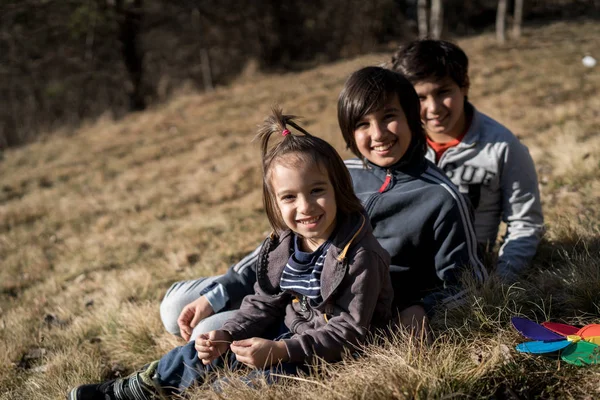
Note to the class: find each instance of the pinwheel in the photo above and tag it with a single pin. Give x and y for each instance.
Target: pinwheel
(575, 346)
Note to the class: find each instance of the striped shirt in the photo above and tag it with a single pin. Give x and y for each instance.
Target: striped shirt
(302, 273)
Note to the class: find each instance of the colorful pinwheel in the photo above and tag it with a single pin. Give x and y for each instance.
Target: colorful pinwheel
(575, 346)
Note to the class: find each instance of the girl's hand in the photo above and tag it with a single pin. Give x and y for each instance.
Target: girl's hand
(259, 353)
(212, 345)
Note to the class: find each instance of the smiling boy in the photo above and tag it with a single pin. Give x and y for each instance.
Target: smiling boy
(482, 158)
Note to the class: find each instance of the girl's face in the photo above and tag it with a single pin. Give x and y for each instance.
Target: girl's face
(306, 201)
(383, 136)
(442, 107)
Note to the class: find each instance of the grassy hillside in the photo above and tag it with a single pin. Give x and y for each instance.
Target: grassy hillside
(95, 226)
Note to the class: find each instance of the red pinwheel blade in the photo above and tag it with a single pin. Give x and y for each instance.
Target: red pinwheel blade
(538, 347)
(535, 331)
(562, 329)
(581, 353)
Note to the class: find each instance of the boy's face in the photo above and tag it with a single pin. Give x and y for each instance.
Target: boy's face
(383, 136)
(442, 107)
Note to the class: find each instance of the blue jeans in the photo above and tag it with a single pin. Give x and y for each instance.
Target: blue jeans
(181, 368)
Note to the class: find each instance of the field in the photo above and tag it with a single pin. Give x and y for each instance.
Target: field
(95, 224)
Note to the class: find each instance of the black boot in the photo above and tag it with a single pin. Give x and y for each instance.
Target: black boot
(137, 386)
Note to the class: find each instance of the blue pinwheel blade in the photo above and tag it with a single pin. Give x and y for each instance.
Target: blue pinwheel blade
(535, 331)
(539, 347)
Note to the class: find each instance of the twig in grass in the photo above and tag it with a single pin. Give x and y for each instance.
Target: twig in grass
(297, 378)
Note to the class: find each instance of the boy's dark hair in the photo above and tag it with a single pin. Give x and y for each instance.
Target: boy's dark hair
(367, 90)
(303, 148)
(423, 60)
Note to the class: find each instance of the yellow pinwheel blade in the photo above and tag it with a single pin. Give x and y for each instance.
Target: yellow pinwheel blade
(592, 339)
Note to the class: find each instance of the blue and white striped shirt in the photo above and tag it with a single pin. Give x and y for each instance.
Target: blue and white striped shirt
(302, 273)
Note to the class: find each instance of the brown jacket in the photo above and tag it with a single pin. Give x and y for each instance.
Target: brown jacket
(355, 287)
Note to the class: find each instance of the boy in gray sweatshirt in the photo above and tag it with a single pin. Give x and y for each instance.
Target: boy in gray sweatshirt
(483, 158)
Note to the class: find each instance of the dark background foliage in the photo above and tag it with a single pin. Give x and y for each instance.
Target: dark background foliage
(62, 61)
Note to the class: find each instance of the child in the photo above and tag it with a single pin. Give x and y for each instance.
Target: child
(322, 278)
(483, 158)
(417, 214)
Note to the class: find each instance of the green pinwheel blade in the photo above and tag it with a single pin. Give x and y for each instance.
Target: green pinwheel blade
(581, 353)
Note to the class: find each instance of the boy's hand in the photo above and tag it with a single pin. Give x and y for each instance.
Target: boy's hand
(415, 320)
(212, 344)
(191, 314)
(259, 353)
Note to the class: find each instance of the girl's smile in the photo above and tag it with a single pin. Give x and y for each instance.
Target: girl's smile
(309, 221)
(384, 148)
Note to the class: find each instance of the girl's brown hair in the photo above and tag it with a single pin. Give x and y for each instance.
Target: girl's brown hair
(303, 147)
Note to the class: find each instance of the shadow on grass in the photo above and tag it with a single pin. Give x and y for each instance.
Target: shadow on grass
(562, 285)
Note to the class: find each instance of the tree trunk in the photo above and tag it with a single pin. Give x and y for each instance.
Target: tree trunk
(90, 35)
(437, 19)
(130, 24)
(206, 71)
(501, 22)
(204, 57)
(422, 18)
(518, 19)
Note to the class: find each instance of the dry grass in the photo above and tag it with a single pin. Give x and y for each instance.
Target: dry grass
(95, 225)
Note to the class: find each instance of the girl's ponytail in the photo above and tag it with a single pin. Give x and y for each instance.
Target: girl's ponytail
(276, 123)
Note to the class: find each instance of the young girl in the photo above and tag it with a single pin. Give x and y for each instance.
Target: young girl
(417, 214)
(322, 278)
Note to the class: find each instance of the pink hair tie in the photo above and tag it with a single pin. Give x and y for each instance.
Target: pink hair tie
(285, 132)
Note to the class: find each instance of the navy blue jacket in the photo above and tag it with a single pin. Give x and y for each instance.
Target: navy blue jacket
(425, 224)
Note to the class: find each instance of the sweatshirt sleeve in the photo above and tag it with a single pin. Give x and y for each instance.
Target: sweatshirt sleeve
(257, 313)
(456, 253)
(521, 211)
(235, 284)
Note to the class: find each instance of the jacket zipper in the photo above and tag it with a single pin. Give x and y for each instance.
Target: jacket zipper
(386, 182)
(386, 185)
(306, 310)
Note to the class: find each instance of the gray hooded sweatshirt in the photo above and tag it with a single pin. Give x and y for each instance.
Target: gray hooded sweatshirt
(495, 171)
